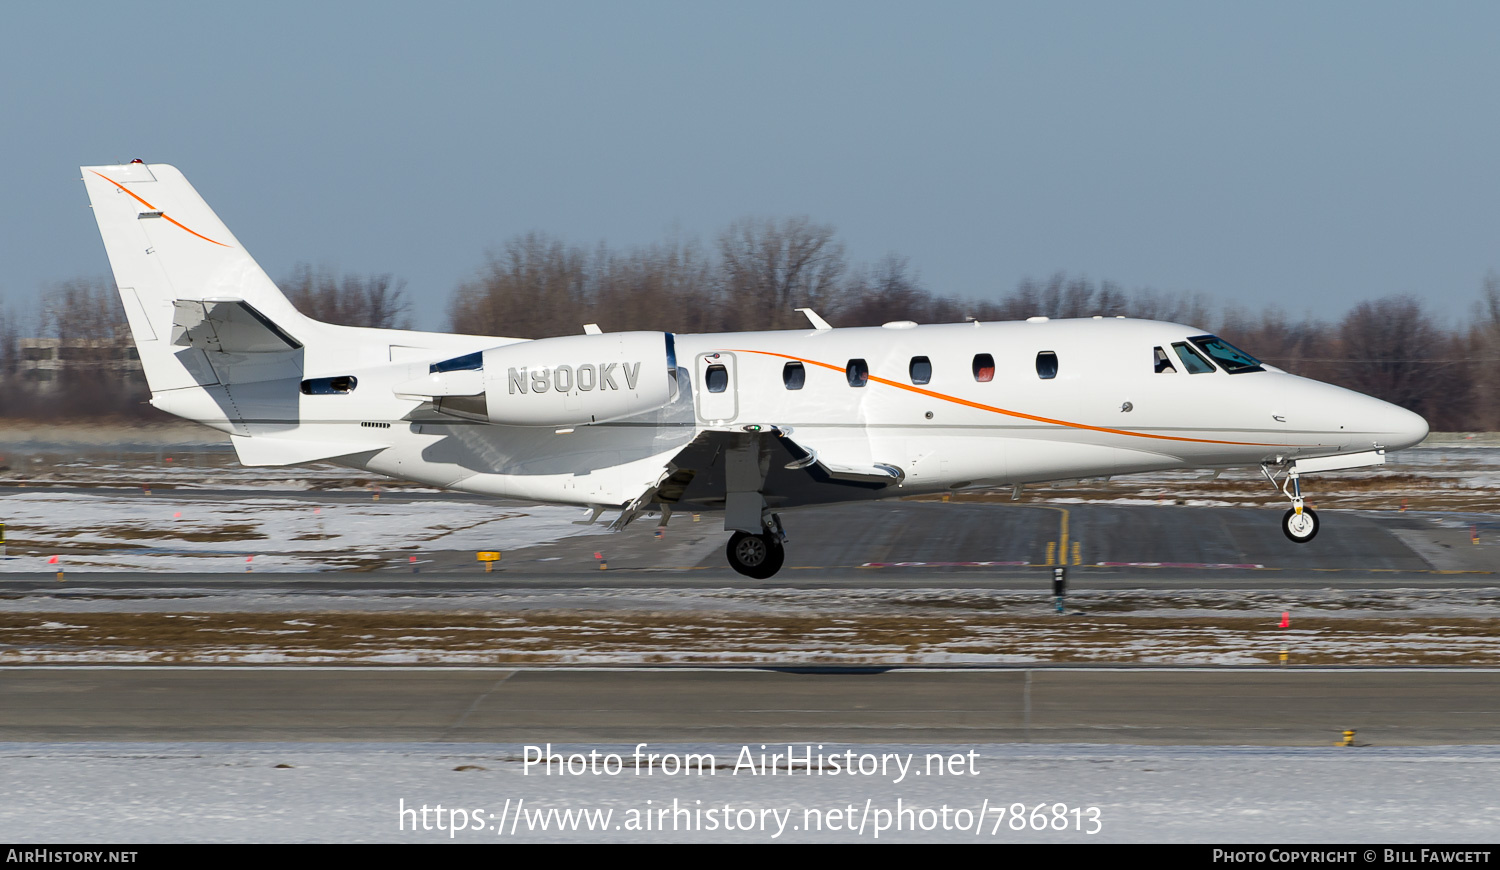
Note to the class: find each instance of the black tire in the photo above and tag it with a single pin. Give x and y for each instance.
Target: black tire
(757, 556)
(1287, 525)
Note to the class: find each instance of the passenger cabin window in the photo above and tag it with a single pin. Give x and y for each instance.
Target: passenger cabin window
(716, 379)
(920, 370)
(1230, 358)
(329, 386)
(984, 367)
(1195, 364)
(793, 375)
(1164, 362)
(1046, 365)
(858, 372)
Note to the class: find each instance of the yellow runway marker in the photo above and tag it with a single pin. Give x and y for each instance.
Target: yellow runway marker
(1057, 551)
(1077, 553)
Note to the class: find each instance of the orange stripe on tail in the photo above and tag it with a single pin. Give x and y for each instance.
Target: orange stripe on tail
(164, 215)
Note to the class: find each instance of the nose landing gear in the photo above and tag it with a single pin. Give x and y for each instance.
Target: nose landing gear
(1300, 527)
(1300, 523)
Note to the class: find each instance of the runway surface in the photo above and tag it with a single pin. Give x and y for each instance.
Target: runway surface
(877, 542)
(1392, 707)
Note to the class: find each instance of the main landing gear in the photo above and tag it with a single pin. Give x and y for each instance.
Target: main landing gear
(1300, 523)
(758, 556)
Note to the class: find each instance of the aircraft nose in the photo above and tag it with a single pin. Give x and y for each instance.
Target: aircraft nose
(1407, 428)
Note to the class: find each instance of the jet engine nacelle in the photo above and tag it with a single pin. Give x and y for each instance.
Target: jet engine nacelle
(572, 380)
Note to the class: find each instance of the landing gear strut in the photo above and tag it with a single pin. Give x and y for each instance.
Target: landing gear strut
(758, 556)
(1299, 524)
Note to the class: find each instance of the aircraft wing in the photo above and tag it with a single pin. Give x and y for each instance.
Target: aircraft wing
(831, 465)
(700, 473)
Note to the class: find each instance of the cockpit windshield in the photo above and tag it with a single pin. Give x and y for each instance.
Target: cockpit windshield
(1195, 364)
(1229, 357)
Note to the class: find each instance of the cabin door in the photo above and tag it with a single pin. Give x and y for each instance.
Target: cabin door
(716, 388)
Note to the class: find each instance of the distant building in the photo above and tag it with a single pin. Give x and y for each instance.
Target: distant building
(44, 360)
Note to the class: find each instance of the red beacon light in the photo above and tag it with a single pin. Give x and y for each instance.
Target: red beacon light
(139, 160)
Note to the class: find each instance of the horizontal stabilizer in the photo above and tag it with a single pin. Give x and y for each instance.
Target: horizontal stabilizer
(226, 326)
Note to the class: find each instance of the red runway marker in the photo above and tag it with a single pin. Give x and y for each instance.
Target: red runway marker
(1286, 619)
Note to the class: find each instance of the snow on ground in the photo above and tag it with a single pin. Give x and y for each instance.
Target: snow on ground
(1479, 602)
(287, 792)
(177, 533)
(413, 624)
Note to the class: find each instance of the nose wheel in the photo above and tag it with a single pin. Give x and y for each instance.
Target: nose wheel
(1300, 527)
(1300, 523)
(758, 556)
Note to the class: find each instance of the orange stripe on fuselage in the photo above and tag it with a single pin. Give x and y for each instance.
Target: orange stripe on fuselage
(164, 215)
(983, 407)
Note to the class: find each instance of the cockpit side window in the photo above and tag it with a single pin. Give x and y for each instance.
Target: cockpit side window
(1164, 362)
(1229, 357)
(1191, 360)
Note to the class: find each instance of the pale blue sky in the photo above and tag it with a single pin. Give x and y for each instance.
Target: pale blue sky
(1309, 155)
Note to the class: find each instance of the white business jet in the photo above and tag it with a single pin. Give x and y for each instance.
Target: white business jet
(749, 423)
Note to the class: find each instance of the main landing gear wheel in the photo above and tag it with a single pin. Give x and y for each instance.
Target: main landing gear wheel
(1301, 527)
(758, 556)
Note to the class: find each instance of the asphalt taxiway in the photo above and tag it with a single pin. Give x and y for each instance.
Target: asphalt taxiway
(977, 543)
(1179, 706)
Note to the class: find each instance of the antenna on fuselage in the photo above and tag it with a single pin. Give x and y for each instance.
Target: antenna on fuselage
(818, 323)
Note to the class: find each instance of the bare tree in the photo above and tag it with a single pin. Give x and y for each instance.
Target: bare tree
(349, 300)
(1484, 348)
(1392, 350)
(533, 287)
(671, 286)
(86, 315)
(886, 292)
(1304, 347)
(771, 268)
(83, 308)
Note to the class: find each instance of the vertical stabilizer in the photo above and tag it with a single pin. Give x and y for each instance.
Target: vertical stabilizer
(167, 247)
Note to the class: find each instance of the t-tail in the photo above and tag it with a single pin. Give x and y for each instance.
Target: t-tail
(218, 341)
(204, 316)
